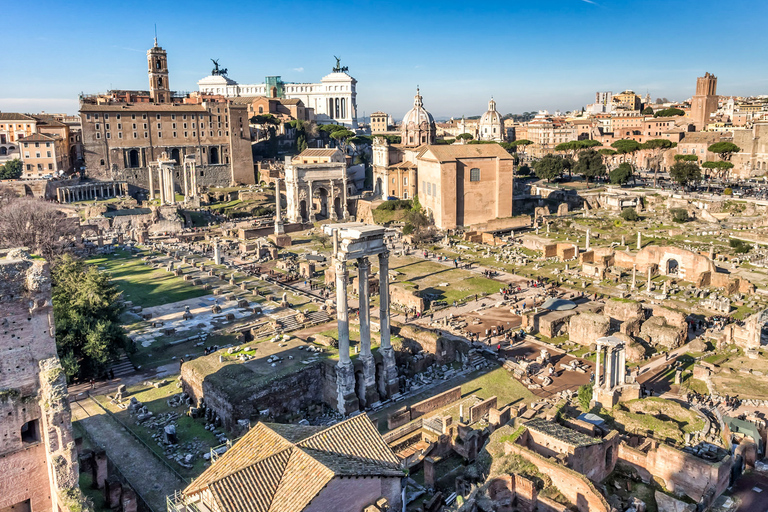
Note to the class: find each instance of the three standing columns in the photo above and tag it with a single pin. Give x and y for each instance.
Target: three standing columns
(351, 394)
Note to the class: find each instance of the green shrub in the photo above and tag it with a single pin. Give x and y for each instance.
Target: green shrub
(630, 215)
(585, 396)
(739, 246)
(679, 215)
(408, 229)
(728, 191)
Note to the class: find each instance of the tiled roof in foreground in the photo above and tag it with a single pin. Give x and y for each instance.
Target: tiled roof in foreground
(281, 468)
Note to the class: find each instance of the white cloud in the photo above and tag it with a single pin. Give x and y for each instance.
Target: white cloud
(590, 2)
(300, 70)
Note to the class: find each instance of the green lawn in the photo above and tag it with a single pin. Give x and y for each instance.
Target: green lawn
(143, 285)
(441, 282)
(501, 384)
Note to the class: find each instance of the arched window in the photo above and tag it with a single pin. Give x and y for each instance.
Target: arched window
(157, 64)
(214, 155)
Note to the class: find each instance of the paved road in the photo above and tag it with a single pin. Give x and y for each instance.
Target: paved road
(151, 479)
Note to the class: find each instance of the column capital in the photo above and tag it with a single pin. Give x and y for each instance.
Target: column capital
(340, 266)
(364, 263)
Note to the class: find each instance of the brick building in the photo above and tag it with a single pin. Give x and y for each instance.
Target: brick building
(122, 133)
(294, 468)
(36, 430)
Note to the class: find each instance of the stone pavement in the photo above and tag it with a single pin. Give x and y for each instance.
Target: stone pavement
(148, 476)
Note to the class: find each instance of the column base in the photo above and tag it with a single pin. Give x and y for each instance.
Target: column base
(346, 399)
(369, 374)
(281, 240)
(391, 382)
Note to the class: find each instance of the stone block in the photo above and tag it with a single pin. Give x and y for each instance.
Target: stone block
(587, 327)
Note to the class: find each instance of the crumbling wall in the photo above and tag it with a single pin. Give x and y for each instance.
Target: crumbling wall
(574, 486)
(37, 452)
(682, 473)
(586, 327)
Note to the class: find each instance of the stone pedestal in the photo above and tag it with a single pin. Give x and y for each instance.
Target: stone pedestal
(346, 398)
(390, 382)
(369, 376)
(282, 240)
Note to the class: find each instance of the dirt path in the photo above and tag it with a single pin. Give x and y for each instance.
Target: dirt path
(144, 471)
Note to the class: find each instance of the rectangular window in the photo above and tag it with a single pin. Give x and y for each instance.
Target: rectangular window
(185, 135)
(474, 174)
(160, 135)
(119, 126)
(118, 116)
(145, 126)
(49, 154)
(37, 154)
(405, 180)
(133, 116)
(143, 116)
(106, 126)
(106, 116)
(146, 135)
(158, 126)
(173, 126)
(50, 167)
(119, 135)
(158, 117)
(108, 135)
(173, 116)
(135, 135)
(174, 135)
(88, 117)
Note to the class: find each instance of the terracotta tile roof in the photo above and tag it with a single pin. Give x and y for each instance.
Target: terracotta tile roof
(445, 153)
(281, 468)
(38, 137)
(705, 137)
(318, 152)
(14, 116)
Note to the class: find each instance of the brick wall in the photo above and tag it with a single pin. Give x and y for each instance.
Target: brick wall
(574, 486)
(436, 402)
(476, 412)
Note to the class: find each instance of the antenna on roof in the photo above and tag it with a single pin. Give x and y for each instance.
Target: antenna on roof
(155, 34)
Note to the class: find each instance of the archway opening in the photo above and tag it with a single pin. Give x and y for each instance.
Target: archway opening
(133, 158)
(303, 210)
(672, 267)
(213, 156)
(337, 207)
(321, 202)
(175, 155)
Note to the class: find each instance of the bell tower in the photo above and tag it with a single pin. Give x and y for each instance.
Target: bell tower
(157, 60)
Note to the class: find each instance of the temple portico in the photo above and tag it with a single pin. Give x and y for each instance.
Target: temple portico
(357, 390)
(163, 169)
(612, 385)
(92, 191)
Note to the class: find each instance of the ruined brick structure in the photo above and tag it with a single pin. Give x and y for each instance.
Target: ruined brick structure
(38, 461)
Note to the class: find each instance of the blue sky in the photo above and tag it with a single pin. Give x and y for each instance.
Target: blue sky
(551, 54)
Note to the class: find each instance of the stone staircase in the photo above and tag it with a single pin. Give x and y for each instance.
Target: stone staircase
(289, 323)
(475, 359)
(318, 317)
(123, 366)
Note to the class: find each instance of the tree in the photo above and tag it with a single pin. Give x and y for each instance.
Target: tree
(584, 395)
(686, 158)
(669, 112)
(37, 225)
(684, 172)
(524, 170)
(465, 136)
(630, 215)
(647, 111)
(724, 150)
(86, 309)
(621, 174)
(341, 137)
(590, 165)
(657, 148)
(719, 169)
(679, 215)
(625, 146)
(12, 170)
(548, 167)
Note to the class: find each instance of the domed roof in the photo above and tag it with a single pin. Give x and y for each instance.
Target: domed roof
(491, 116)
(418, 114)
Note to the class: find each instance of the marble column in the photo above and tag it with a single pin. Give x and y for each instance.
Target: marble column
(388, 382)
(342, 311)
(279, 229)
(608, 367)
(186, 183)
(346, 399)
(333, 215)
(648, 285)
(622, 365)
(634, 276)
(344, 212)
(589, 232)
(639, 239)
(369, 365)
(598, 354)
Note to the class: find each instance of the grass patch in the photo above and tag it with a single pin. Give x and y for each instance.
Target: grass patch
(498, 383)
(664, 419)
(143, 285)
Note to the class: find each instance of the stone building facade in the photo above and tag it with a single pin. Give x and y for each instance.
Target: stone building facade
(333, 99)
(317, 185)
(462, 185)
(418, 126)
(704, 102)
(122, 136)
(38, 461)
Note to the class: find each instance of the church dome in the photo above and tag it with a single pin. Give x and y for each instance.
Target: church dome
(418, 114)
(491, 116)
